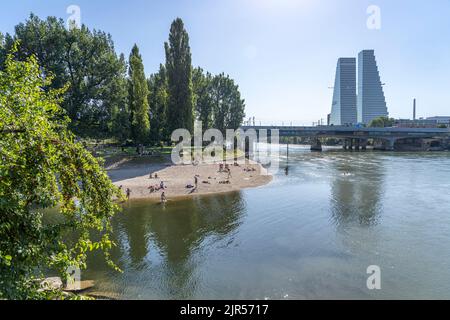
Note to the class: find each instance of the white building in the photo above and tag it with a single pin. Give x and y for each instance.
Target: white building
(440, 119)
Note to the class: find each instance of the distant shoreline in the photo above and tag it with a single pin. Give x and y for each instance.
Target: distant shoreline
(135, 175)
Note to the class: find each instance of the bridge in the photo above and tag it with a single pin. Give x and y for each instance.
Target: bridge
(357, 137)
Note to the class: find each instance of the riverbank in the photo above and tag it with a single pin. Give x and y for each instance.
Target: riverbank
(134, 174)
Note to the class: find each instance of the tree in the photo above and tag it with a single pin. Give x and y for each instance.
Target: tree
(2, 49)
(119, 126)
(83, 58)
(138, 98)
(382, 122)
(158, 98)
(229, 108)
(180, 112)
(202, 97)
(42, 167)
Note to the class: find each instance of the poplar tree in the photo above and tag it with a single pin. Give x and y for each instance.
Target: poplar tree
(138, 98)
(180, 109)
(158, 97)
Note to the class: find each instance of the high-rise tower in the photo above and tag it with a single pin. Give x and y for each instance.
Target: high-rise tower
(343, 110)
(371, 100)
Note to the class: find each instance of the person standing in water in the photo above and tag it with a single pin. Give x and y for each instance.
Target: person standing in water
(128, 193)
(163, 198)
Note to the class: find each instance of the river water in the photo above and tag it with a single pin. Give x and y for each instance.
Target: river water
(310, 234)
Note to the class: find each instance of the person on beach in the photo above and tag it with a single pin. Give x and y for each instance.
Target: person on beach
(196, 182)
(128, 193)
(163, 198)
(151, 176)
(161, 185)
(229, 173)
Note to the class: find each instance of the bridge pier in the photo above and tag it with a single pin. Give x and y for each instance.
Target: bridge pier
(390, 144)
(344, 144)
(357, 144)
(316, 145)
(363, 144)
(348, 144)
(387, 144)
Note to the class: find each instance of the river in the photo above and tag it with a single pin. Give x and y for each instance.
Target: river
(310, 234)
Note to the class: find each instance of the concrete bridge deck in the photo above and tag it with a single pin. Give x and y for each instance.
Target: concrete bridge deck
(344, 131)
(356, 136)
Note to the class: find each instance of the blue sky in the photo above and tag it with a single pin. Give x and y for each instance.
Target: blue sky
(283, 53)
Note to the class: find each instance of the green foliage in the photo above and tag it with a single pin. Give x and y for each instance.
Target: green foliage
(138, 98)
(179, 78)
(42, 167)
(158, 99)
(218, 101)
(228, 107)
(83, 58)
(202, 97)
(119, 126)
(103, 102)
(382, 122)
(2, 49)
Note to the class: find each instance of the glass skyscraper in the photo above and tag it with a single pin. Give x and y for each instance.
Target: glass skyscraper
(371, 100)
(343, 110)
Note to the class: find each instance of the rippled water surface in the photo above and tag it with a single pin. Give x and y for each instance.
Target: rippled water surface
(310, 234)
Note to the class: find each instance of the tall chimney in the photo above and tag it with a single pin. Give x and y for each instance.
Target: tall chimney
(414, 110)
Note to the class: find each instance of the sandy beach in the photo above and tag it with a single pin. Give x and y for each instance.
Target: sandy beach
(135, 175)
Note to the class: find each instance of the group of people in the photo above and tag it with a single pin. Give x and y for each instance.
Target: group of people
(190, 186)
(128, 192)
(152, 189)
(226, 168)
(156, 187)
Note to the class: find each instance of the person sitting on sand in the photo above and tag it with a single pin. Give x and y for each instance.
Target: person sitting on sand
(163, 198)
(221, 167)
(152, 189)
(151, 176)
(128, 193)
(156, 176)
(161, 185)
